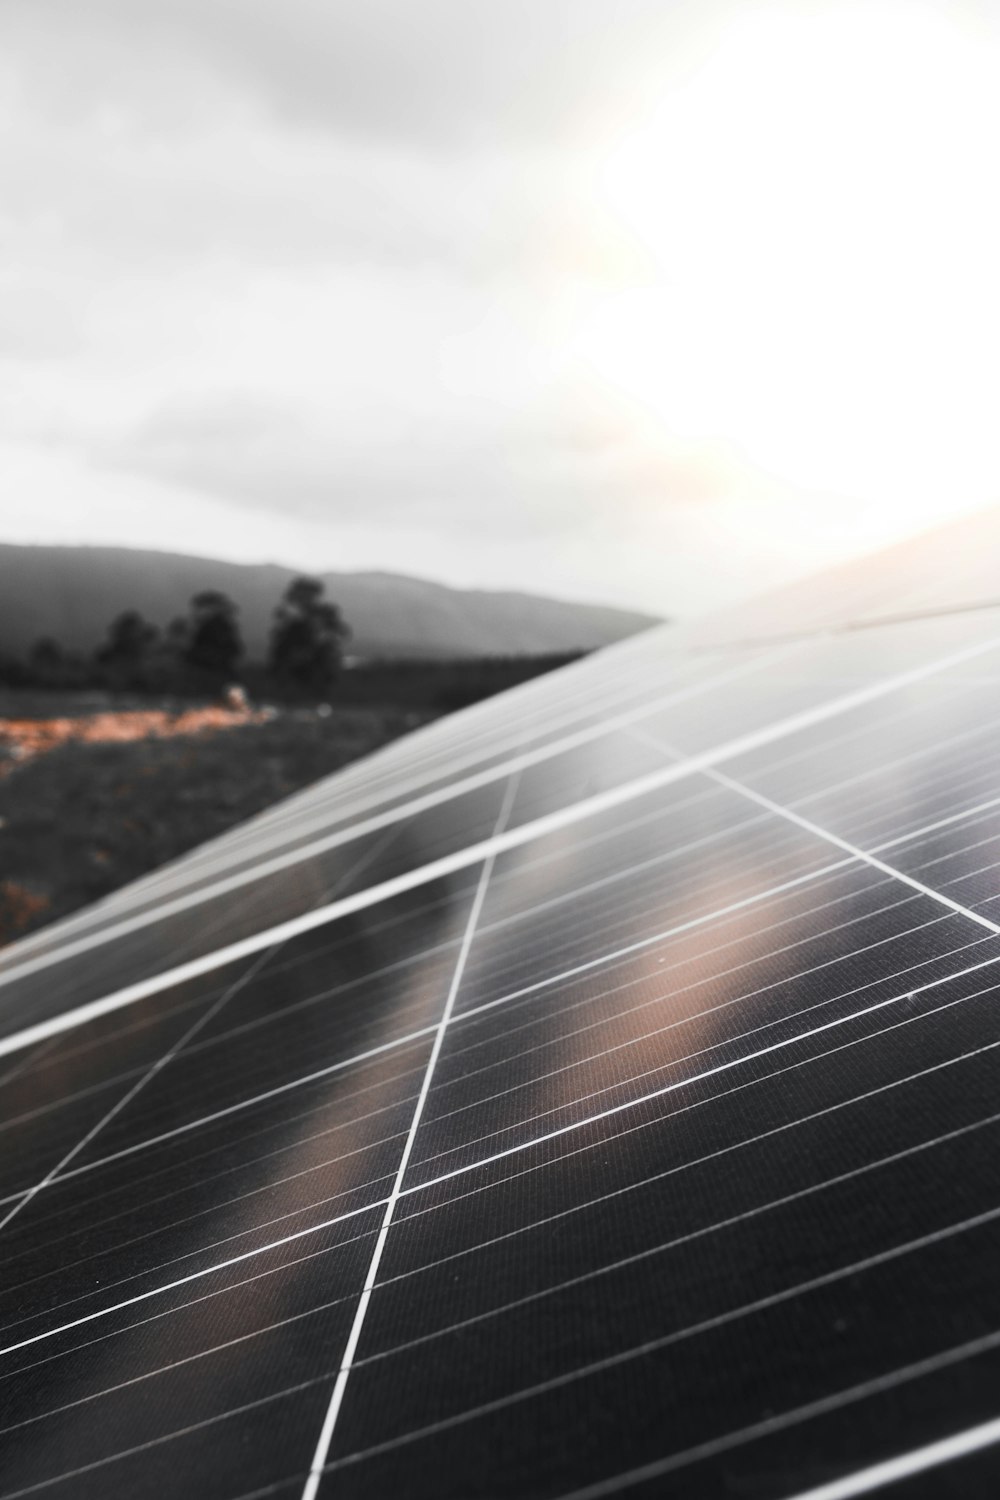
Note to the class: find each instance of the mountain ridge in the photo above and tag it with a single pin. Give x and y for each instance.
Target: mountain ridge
(73, 593)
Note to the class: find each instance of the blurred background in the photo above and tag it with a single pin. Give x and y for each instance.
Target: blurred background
(360, 360)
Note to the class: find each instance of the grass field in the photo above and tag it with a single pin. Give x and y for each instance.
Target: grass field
(80, 817)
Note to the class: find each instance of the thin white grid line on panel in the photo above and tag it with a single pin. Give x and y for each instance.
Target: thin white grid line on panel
(558, 1038)
(654, 1345)
(319, 1166)
(474, 854)
(309, 812)
(411, 1037)
(360, 1187)
(498, 880)
(654, 1094)
(472, 1018)
(906, 1465)
(272, 1093)
(589, 1203)
(557, 1287)
(167, 1437)
(783, 1421)
(373, 791)
(307, 796)
(863, 733)
(148, 1074)
(202, 1249)
(869, 783)
(522, 1146)
(169, 1286)
(925, 830)
(604, 726)
(226, 1036)
(256, 1228)
(607, 958)
(237, 1030)
(310, 817)
(873, 818)
(831, 838)
(62, 1100)
(169, 1312)
(553, 1162)
(693, 1162)
(951, 688)
(573, 687)
(28, 1062)
(648, 1252)
(957, 880)
(694, 1077)
(347, 1359)
(337, 944)
(372, 824)
(385, 759)
(270, 1128)
(962, 852)
(586, 1060)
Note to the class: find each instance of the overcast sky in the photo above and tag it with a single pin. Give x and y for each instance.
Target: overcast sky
(643, 301)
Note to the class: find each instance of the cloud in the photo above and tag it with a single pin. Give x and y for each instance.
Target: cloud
(325, 272)
(143, 145)
(446, 75)
(101, 193)
(37, 322)
(528, 479)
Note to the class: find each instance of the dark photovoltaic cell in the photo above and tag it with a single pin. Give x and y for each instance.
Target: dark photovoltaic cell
(594, 1093)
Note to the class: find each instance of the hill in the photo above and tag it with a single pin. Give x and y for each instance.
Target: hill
(71, 593)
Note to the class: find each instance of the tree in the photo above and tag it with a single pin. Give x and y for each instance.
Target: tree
(48, 665)
(177, 636)
(211, 642)
(47, 662)
(127, 651)
(13, 673)
(307, 637)
(130, 638)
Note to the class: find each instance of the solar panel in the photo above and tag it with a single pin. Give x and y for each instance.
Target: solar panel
(593, 1093)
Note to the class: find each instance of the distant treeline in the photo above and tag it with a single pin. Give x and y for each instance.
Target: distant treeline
(199, 652)
(202, 652)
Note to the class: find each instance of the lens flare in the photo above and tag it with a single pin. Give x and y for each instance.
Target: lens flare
(814, 209)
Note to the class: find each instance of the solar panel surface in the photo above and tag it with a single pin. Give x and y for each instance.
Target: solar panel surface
(595, 1093)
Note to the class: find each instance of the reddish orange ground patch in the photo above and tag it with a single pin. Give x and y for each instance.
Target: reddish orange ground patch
(27, 738)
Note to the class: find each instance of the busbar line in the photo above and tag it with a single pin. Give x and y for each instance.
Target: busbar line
(519, 1147)
(347, 1360)
(905, 1465)
(347, 834)
(475, 853)
(808, 826)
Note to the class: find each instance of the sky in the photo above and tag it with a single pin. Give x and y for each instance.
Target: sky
(649, 302)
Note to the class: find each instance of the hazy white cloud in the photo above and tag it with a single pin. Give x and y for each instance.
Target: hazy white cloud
(561, 293)
(536, 481)
(451, 75)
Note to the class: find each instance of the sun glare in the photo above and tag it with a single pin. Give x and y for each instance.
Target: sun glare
(816, 210)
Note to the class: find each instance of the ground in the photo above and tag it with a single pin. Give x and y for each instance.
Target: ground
(100, 793)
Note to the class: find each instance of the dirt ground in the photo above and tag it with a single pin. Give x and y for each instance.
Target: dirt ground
(90, 800)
